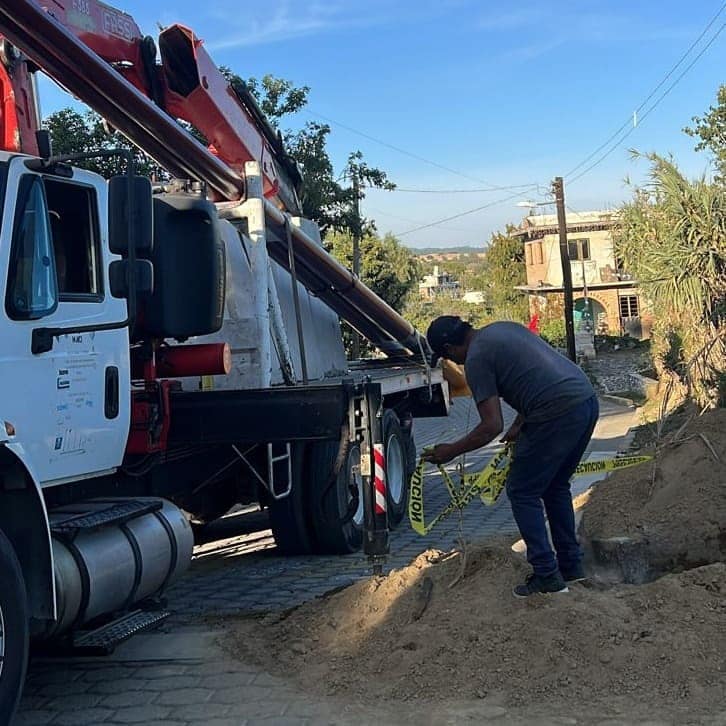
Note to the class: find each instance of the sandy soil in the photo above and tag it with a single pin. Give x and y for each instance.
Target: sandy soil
(675, 508)
(435, 637)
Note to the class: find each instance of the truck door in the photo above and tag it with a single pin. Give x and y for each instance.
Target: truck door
(69, 406)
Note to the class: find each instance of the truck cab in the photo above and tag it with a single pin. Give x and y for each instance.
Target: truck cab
(66, 410)
(69, 555)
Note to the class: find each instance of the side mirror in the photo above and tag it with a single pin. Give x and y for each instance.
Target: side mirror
(141, 214)
(118, 277)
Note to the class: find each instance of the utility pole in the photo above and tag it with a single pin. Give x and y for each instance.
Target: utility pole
(356, 251)
(559, 192)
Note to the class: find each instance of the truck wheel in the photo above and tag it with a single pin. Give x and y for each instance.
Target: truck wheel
(290, 517)
(411, 455)
(13, 631)
(397, 450)
(337, 499)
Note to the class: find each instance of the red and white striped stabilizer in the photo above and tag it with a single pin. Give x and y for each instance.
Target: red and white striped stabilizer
(379, 478)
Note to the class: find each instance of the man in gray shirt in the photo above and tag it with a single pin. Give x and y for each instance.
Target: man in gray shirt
(556, 413)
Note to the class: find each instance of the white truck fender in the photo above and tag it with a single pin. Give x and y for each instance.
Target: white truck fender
(24, 521)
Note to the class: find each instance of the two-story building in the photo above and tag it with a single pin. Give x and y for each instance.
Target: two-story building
(439, 284)
(606, 297)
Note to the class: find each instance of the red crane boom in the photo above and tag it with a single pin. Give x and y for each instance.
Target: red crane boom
(120, 85)
(187, 85)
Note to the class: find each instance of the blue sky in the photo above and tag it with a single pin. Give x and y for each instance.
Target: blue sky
(503, 93)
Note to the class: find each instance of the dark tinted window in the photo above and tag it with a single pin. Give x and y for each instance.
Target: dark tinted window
(72, 213)
(32, 288)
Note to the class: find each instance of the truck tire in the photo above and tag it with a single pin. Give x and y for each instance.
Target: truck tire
(337, 512)
(290, 518)
(13, 631)
(397, 447)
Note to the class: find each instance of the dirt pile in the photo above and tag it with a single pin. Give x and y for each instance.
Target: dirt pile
(677, 518)
(410, 637)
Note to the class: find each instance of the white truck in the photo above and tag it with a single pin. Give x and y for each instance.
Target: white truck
(170, 351)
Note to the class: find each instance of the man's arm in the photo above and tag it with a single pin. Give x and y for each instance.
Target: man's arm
(490, 426)
(514, 429)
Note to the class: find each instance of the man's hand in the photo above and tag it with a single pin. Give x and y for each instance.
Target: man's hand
(512, 433)
(514, 429)
(439, 454)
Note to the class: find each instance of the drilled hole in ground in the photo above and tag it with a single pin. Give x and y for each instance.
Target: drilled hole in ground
(637, 561)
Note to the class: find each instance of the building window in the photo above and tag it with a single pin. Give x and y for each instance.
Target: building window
(528, 253)
(538, 256)
(578, 249)
(629, 306)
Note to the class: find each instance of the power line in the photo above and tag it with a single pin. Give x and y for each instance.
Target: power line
(409, 220)
(653, 106)
(522, 187)
(574, 211)
(652, 93)
(457, 216)
(393, 147)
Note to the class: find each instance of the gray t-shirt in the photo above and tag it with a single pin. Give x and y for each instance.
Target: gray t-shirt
(507, 360)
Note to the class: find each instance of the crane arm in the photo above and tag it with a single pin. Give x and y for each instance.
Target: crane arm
(187, 85)
(61, 54)
(19, 115)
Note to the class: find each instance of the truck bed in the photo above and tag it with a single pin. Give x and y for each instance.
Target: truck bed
(309, 412)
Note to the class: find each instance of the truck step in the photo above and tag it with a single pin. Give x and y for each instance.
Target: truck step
(67, 522)
(103, 640)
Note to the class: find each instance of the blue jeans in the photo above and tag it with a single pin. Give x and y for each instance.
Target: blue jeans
(545, 457)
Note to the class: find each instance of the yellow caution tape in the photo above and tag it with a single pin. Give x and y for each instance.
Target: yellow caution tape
(488, 484)
(621, 462)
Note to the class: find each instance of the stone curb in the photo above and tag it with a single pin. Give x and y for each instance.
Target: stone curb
(618, 399)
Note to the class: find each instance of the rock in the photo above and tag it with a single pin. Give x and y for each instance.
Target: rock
(606, 657)
(298, 648)
(422, 598)
(490, 713)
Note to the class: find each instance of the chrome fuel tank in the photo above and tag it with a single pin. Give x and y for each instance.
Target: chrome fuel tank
(108, 566)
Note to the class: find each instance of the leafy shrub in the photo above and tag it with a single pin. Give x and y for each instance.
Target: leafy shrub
(554, 332)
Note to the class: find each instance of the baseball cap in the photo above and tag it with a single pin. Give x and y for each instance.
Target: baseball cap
(445, 329)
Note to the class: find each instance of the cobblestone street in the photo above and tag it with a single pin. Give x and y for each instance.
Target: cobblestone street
(178, 675)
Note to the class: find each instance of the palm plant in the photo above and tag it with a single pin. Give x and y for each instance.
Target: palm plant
(672, 237)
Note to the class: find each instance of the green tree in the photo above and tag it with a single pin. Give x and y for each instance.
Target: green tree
(73, 133)
(505, 269)
(277, 97)
(325, 197)
(710, 129)
(421, 312)
(387, 268)
(672, 237)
